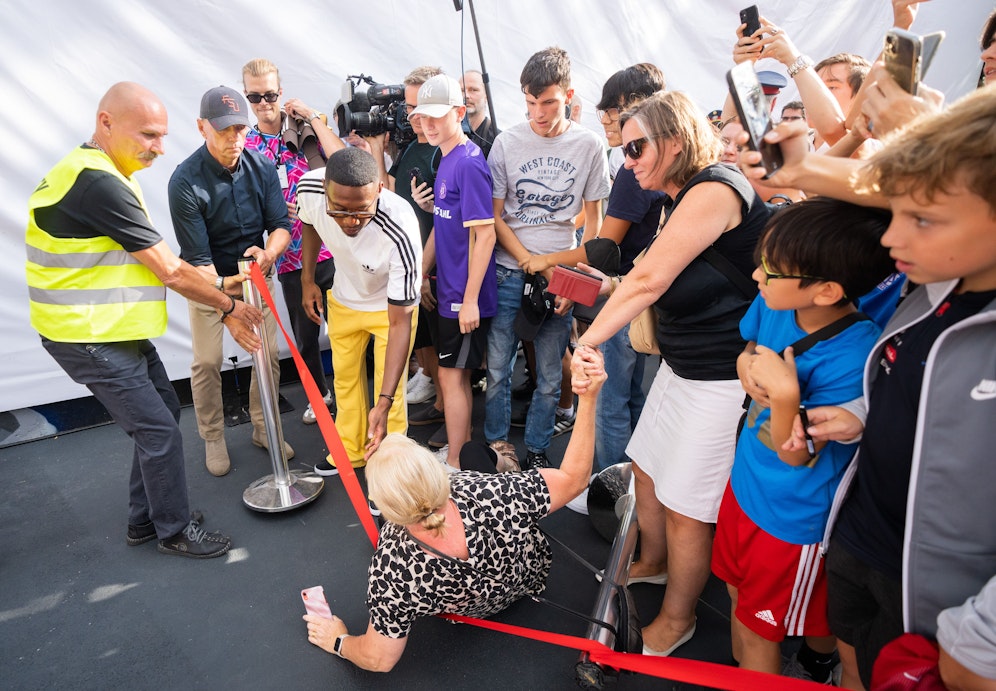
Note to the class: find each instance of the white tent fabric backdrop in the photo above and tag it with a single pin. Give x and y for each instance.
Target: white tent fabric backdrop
(59, 57)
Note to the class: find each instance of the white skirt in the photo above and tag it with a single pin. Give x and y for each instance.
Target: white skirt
(685, 440)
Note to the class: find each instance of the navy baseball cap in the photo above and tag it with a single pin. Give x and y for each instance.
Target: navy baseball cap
(223, 107)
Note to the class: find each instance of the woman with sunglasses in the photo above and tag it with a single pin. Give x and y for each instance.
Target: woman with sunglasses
(682, 448)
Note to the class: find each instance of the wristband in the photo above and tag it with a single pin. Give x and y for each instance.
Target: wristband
(803, 62)
(390, 398)
(231, 308)
(219, 283)
(337, 646)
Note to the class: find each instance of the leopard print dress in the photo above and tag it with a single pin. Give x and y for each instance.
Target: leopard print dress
(500, 515)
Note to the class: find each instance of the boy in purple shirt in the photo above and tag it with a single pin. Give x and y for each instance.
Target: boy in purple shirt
(461, 246)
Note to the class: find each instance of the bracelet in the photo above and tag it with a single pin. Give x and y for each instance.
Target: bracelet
(803, 62)
(390, 398)
(582, 344)
(224, 312)
(219, 283)
(613, 284)
(337, 646)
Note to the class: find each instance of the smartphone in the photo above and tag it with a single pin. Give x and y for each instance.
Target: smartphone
(315, 602)
(750, 17)
(755, 115)
(901, 56)
(416, 173)
(810, 444)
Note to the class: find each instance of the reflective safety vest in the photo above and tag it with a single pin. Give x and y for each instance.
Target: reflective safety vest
(88, 290)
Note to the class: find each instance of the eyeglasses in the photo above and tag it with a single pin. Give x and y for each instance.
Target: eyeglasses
(791, 118)
(269, 97)
(611, 113)
(634, 149)
(408, 108)
(361, 216)
(769, 274)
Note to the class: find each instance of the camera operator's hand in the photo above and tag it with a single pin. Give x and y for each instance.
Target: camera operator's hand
(422, 195)
(357, 141)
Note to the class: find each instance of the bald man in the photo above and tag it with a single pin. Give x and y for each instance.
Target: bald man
(97, 275)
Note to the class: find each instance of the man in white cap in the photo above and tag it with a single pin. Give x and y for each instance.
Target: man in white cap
(222, 200)
(461, 246)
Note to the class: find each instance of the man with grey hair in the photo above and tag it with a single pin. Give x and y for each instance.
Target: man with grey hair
(222, 200)
(374, 236)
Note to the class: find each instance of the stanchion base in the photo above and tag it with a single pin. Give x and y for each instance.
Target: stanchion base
(266, 496)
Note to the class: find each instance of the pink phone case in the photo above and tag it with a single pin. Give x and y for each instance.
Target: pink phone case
(315, 602)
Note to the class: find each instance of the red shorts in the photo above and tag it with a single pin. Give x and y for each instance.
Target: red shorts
(781, 587)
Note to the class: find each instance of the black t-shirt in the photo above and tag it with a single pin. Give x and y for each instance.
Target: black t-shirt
(426, 158)
(97, 205)
(873, 518)
(699, 314)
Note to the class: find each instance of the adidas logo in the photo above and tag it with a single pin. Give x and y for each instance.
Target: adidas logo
(766, 616)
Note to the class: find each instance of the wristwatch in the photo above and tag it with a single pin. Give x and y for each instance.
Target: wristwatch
(337, 646)
(803, 62)
(314, 114)
(219, 283)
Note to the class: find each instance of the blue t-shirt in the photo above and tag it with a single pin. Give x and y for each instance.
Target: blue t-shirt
(792, 503)
(881, 301)
(462, 200)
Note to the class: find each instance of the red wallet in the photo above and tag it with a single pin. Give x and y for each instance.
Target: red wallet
(574, 285)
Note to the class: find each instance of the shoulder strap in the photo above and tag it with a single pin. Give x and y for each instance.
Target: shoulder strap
(728, 269)
(826, 333)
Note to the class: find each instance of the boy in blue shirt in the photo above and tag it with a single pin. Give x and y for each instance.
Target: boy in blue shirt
(815, 258)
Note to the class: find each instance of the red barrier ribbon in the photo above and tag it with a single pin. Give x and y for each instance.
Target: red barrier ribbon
(676, 669)
(325, 423)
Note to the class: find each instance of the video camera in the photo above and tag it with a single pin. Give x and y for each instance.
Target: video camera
(379, 109)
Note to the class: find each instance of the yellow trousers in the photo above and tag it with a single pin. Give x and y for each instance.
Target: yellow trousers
(349, 333)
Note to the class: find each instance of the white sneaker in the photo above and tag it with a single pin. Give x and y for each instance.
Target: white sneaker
(419, 389)
(443, 456)
(309, 414)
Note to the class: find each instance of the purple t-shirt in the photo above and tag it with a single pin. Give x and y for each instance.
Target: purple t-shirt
(462, 200)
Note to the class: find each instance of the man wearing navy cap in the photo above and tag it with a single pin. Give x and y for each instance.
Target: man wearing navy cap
(222, 200)
(772, 83)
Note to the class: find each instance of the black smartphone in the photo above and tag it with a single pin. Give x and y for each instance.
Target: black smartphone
(901, 56)
(755, 115)
(810, 444)
(750, 17)
(416, 173)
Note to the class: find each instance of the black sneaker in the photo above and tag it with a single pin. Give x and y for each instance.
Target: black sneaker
(426, 415)
(196, 543)
(535, 460)
(326, 469)
(140, 534)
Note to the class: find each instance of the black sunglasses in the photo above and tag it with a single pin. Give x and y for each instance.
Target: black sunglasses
(634, 149)
(269, 97)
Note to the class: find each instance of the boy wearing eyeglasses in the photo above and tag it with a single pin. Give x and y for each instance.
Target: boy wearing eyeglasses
(816, 257)
(374, 236)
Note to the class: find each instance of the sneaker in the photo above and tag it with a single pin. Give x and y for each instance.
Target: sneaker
(480, 380)
(438, 438)
(535, 460)
(425, 415)
(309, 413)
(142, 533)
(794, 669)
(419, 389)
(508, 460)
(196, 543)
(325, 469)
(564, 423)
(443, 456)
(524, 391)
(374, 511)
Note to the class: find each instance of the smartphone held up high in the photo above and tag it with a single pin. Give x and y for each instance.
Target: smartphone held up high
(751, 17)
(754, 112)
(907, 56)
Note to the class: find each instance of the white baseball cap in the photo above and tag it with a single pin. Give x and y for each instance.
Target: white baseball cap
(437, 96)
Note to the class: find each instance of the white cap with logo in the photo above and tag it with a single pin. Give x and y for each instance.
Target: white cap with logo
(437, 96)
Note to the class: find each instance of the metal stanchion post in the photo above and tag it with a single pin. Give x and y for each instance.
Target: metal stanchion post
(284, 489)
(607, 608)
